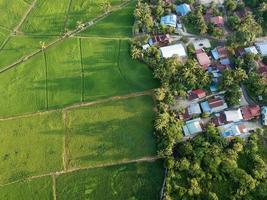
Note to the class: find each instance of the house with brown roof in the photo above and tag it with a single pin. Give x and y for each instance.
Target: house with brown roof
(160, 40)
(214, 105)
(250, 112)
(203, 59)
(196, 94)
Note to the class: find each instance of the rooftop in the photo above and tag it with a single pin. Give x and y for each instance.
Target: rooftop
(173, 50)
(203, 59)
(183, 9)
(169, 20)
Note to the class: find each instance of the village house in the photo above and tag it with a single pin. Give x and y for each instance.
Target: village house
(250, 112)
(209, 2)
(252, 50)
(214, 105)
(233, 115)
(193, 127)
(264, 115)
(262, 48)
(233, 129)
(203, 59)
(159, 40)
(191, 111)
(219, 53)
(183, 9)
(227, 117)
(196, 94)
(169, 20)
(173, 50)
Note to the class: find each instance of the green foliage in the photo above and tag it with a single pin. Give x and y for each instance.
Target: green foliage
(206, 168)
(230, 83)
(132, 181)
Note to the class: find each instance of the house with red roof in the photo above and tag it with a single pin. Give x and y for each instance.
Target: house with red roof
(196, 94)
(217, 21)
(203, 59)
(160, 40)
(250, 112)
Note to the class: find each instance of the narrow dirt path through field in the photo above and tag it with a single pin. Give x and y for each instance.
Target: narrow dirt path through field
(72, 170)
(16, 29)
(82, 104)
(69, 34)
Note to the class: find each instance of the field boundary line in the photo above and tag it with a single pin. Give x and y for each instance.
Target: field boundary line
(82, 69)
(66, 17)
(118, 66)
(54, 187)
(16, 29)
(25, 16)
(74, 32)
(79, 105)
(77, 169)
(46, 80)
(100, 37)
(65, 141)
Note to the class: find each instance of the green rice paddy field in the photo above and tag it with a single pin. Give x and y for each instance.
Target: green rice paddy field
(75, 113)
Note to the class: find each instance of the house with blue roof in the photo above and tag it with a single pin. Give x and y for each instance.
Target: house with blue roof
(193, 127)
(183, 9)
(169, 20)
(233, 129)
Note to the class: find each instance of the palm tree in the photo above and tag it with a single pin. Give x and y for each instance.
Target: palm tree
(42, 44)
(136, 53)
(106, 6)
(80, 25)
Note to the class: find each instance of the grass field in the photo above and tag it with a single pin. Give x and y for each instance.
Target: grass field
(11, 12)
(108, 71)
(47, 18)
(3, 35)
(40, 189)
(19, 88)
(91, 66)
(20, 46)
(117, 25)
(30, 146)
(84, 11)
(64, 74)
(111, 132)
(141, 181)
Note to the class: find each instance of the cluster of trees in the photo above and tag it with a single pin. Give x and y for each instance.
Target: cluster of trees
(259, 8)
(245, 30)
(255, 83)
(197, 20)
(209, 167)
(143, 17)
(230, 83)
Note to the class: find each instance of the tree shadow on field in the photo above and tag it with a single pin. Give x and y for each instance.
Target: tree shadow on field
(112, 139)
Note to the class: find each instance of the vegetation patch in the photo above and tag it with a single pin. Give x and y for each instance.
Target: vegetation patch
(11, 12)
(118, 24)
(20, 46)
(20, 89)
(132, 181)
(111, 132)
(40, 188)
(47, 18)
(84, 11)
(63, 74)
(30, 146)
